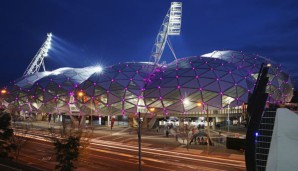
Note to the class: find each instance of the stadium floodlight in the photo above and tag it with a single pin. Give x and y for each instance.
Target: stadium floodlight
(171, 26)
(38, 59)
(174, 27)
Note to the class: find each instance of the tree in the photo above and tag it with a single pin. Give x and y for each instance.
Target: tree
(20, 137)
(67, 151)
(184, 133)
(6, 136)
(71, 144)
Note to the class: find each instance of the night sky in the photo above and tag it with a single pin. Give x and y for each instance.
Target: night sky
(91, 32)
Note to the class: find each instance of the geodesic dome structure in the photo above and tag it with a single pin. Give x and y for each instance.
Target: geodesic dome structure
(188, 81)
(49, 91)
(116, 90)
(280, 87)
(19, 91)
(217, 79)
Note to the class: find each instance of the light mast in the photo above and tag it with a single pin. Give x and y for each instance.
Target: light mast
(38, 59)
(171, 26)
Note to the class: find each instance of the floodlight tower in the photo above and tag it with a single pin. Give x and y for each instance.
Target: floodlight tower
(171, 26)
(38, 59)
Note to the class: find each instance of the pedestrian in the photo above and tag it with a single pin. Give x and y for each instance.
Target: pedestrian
(167, 133)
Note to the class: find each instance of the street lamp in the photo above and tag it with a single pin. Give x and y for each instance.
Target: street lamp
(139, 140)
(81, 97)
(3, 91)
(152, 109)
(207, 112)
(81, 94)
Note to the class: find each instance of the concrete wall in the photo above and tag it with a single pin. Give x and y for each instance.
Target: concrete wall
(283, 154)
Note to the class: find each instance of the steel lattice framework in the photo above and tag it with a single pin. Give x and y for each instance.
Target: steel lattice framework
(38, 59)
(171, 26)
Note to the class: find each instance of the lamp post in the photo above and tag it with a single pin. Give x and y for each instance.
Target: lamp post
(151, 110)
(207, 113)
(91, 111)
(228, 119)
(81, 95)
(139, 140)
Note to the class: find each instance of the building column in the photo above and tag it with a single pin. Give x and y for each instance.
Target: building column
(214, 123)
(181, 121)
(99, 120)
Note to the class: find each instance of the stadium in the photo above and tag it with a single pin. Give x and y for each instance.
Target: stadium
(214, 85)
(221, 81)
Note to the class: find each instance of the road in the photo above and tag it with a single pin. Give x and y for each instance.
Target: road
(120, 152)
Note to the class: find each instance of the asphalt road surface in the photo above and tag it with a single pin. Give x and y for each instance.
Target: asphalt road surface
(120, 152)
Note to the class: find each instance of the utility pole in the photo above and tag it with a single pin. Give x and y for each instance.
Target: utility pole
(208, 136)
(139, 136)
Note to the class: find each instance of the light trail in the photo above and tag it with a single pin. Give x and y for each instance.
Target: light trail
(150, 151)
(107, 143)
(178, 155)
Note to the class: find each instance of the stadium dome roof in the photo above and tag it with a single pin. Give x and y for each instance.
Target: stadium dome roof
(185, 82)
(118, 89)
(280, 84)
(47, 91)
(216, 80)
